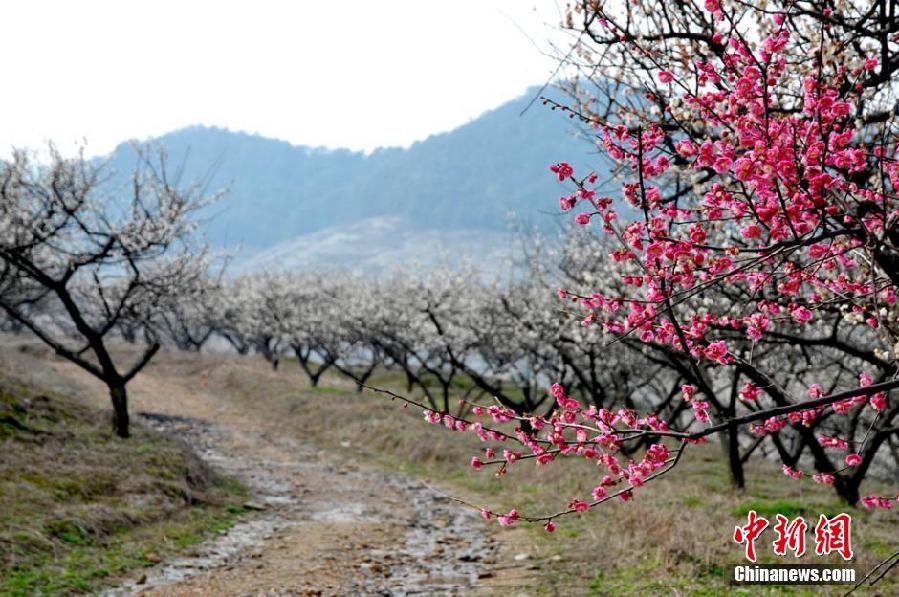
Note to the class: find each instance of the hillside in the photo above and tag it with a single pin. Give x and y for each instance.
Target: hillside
(471, 178)
(379, 244)
(78, 506)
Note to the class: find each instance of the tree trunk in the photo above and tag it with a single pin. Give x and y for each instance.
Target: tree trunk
(733, 456)
(129, 334)
(848, 490)
(120, 422)
(446, 396)
(303, 360)
(363, 379)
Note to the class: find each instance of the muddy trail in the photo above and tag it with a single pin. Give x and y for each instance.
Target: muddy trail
(320, 527)
(324, 517)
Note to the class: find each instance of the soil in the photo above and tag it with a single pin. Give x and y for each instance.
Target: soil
(318, 523)
(322, 527)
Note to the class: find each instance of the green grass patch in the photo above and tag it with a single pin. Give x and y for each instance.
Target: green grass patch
(693, 502)
(79, 505)
(789, 508)
(767, 509)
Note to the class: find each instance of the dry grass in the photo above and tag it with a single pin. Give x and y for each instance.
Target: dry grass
(78, 505)
(674, 538)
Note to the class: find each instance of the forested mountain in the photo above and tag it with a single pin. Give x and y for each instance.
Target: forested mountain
(470, 178)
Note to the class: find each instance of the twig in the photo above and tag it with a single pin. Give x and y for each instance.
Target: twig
(890, 563)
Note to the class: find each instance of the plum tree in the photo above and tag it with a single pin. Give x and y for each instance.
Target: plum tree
(93, 258)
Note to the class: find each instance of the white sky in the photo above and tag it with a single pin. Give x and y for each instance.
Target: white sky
(356, 74)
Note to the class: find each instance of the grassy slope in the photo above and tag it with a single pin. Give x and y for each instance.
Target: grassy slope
(78, 505)
(673, 538)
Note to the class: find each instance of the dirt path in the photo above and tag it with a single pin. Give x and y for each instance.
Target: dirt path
(326, 528)
(327, 524)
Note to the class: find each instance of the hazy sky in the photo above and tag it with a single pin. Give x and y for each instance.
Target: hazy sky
(356, 74)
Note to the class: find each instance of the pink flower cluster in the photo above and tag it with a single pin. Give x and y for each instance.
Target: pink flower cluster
(779, 171)
(780, 215)
(872, 501)
(572, 430)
